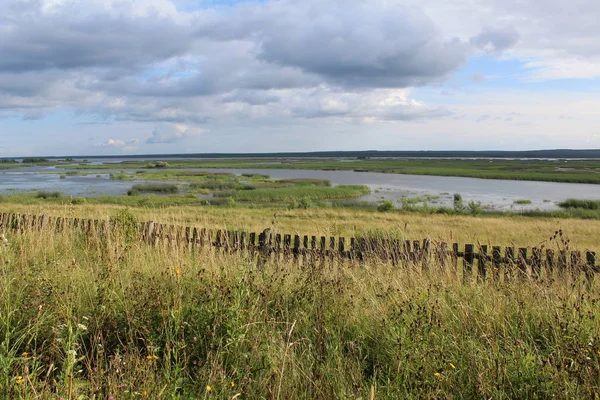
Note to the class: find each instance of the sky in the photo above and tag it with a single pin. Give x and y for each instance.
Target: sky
(99, 77)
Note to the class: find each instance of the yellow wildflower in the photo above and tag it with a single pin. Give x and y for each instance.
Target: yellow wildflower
(152, 357)
(452, 365)
(19, 380)
(437, 375)
(25, 354)
(232, 385)
(144, 394)
(178, 271)
(208, 388)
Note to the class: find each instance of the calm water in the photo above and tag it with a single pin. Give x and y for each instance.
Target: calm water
(497, 193)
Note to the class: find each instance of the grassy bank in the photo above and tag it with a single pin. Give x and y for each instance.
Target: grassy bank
(91, 319)
(574, 171)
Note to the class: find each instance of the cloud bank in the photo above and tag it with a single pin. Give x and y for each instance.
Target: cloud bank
(161, 65)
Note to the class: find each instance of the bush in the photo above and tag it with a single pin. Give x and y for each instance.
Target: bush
(458, 202)
(305, 203)
(158, 164)
(475, 207)
(385, 206)
(48, 195)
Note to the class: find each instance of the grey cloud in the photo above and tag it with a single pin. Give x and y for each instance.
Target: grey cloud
(250, 97)
(245, 61)
(37, 41)
(495, 39)
(353, 43)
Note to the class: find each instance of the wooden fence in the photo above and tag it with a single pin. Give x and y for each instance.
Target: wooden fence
(485, 261)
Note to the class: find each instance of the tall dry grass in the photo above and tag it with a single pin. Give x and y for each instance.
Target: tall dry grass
(85, 317)
(496, 230)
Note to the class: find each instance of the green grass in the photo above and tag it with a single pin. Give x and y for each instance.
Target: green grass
(522, 202)
(297, 192)
(99, 316)
(121, 177)
(306, 181)
(574, 171)
(580, 204)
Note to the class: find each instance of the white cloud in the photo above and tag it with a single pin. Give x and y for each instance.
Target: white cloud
(112, 143)
(171, 133)
(119, 144)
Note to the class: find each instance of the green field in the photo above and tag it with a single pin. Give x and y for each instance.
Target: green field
(575, 171)
(88, 317)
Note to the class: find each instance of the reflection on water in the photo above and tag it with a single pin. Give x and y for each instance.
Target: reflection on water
(497, 193)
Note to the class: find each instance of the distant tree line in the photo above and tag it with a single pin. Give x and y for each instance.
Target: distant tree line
(34, 160)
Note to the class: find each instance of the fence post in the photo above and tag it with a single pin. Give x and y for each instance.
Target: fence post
(251, 244)
(482, 261)
(523, 261)
(468, 262)
(591, 268)
(150, 234)
(536, 263)
(264, 246)
(496, 262)
(342, 248)
(510, 263)
(296, 250)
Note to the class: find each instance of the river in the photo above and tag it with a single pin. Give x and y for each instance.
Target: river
(499, 194)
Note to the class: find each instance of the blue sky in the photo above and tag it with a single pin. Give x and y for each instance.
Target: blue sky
(161, 76)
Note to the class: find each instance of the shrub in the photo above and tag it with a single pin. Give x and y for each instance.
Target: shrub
(385, 206)
(458, 202)
(475, 207)
(48, 195)
(158, 164)
(305, 203)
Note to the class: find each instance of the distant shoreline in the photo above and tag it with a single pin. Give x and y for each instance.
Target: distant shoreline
(525, 154)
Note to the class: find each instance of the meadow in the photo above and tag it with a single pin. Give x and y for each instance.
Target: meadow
(89, 317)
(107, 316)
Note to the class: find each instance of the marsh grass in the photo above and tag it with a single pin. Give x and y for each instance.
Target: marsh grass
(522, 202)
(162, 188)
(575, 171)
(582, 204)
(85, 317)
(302, 191)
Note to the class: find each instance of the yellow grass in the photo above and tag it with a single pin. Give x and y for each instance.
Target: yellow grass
(518, 231)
